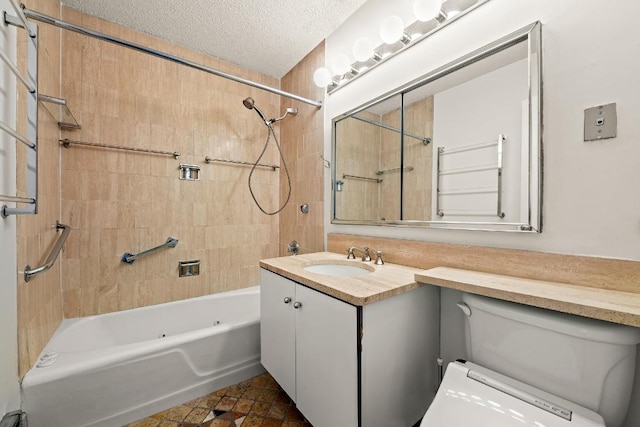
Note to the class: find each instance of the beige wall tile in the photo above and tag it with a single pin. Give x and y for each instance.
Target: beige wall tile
(40, 300)
(127, 202)
(118, 201)
(302, 142)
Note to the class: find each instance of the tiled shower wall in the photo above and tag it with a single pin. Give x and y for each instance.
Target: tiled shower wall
(358, 153)
(119, 202)
(364, 150)
(302, 143)
(417, 200)
(40, 300)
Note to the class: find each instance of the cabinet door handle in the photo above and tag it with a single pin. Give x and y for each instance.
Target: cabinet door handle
(287, 300)
(297, 304)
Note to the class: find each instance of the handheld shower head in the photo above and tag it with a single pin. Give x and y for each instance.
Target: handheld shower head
(250, 104)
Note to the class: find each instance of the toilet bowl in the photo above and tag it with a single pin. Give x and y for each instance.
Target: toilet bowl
(471, 395)
(535, 367)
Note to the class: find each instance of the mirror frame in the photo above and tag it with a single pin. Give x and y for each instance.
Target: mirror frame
(532, 35)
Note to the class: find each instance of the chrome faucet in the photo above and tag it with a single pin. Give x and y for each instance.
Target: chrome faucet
(365, 253)
(378, 260)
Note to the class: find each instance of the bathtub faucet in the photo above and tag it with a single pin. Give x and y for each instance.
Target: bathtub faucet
(365, 253)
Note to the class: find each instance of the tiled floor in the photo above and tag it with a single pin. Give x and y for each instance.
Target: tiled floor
(258, 402)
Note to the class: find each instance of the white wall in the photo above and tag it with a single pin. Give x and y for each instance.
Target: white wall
(590, 57)
(486, 112)
(9, 386)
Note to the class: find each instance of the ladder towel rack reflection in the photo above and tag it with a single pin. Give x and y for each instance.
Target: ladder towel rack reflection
(130, 258)
(66, 143)
(471, 190)
(51, 259)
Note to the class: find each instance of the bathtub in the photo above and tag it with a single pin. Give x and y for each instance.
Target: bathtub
(115, 368)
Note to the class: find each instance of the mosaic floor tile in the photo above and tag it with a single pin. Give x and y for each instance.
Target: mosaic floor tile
(257, 402)
(226, 403)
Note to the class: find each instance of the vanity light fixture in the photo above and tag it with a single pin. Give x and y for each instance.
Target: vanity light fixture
(431, 16)
(426, 10)
(363, 50)
(341, 64)
(322, 77)
(392, 31)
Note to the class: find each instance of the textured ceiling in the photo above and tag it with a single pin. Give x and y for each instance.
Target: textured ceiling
(268, 36)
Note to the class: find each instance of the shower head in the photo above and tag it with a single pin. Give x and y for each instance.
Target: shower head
(251, 105)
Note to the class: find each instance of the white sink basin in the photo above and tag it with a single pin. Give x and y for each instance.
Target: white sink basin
(338, 269)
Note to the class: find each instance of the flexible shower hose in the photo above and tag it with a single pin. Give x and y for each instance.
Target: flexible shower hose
(284, 165)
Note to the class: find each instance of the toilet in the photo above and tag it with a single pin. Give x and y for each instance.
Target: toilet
(534, 367)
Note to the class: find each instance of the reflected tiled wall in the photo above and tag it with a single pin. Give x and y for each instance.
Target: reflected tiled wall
(373, 153)
(418, 120)
(40, 300)
(302, 143)
(357, 148)
(120, 202)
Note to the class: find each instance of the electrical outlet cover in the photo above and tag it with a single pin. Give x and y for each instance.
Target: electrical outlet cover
(600, 122)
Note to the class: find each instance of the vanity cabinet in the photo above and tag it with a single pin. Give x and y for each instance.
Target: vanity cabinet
(350, 365)
(308, 342)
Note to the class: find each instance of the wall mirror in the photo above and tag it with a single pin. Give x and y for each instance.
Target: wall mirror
(457, 148)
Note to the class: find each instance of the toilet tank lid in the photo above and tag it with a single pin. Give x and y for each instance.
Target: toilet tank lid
(568, 324)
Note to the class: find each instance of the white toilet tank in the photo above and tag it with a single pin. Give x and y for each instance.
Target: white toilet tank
(587, 361)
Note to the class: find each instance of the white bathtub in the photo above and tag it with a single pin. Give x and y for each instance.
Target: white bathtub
(119, 367)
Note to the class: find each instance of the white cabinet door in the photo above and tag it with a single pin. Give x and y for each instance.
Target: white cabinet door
(326, 359)
(277, 329)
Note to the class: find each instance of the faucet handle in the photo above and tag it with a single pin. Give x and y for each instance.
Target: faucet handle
(366, 256)
(378, 260)
(350, 254)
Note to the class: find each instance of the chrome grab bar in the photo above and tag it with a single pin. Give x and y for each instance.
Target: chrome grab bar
(28, 272)
(129, 258)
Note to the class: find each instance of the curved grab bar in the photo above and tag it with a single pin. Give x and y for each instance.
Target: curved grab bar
(129, 258)
(28, 272)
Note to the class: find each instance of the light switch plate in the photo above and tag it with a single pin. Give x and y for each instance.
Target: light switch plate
(600, 122)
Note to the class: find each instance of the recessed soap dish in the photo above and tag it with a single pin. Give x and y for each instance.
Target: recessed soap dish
(189, 268)
(189, 172)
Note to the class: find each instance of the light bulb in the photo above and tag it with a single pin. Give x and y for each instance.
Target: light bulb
(340, 64)
(426, 10)
(363, 49)
(392, 29)
(322, 77)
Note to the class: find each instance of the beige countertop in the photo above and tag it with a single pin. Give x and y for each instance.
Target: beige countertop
(382, 282)
(603, 304)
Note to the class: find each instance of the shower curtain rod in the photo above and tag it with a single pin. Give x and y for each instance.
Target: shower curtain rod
(87, 32)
